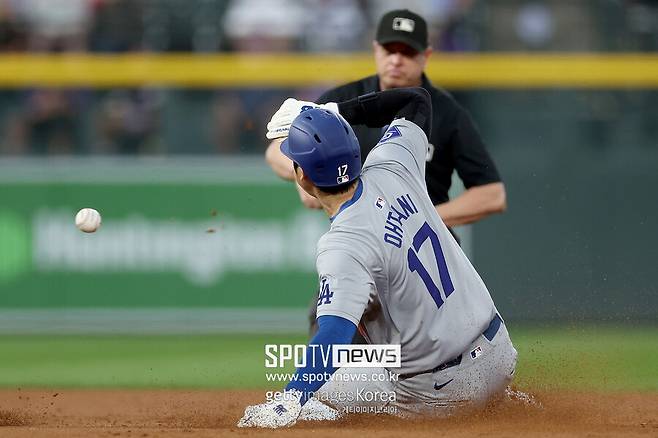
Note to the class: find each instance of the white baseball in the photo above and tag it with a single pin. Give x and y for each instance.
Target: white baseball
(88, 220)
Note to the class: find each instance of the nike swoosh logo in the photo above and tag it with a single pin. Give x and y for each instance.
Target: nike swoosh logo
(437, 386)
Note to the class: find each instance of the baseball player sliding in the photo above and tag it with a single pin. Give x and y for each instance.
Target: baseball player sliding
(389, 254)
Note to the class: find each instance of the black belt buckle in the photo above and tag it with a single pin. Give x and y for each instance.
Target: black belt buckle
(451, 363)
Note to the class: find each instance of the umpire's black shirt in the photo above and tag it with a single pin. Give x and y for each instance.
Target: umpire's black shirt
(455, 142)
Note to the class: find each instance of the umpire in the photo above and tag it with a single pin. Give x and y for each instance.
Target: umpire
(401, 52)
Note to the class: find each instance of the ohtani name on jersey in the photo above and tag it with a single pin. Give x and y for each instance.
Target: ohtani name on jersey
(396, 215)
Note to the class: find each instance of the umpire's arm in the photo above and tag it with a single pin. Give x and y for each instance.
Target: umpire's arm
(280, 164)
(485, 192)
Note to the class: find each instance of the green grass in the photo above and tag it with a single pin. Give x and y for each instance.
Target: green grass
(595, 358)
(602, 358)
(222, 361)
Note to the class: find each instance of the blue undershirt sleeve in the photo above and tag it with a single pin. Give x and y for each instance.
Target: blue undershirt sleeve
(331, 330)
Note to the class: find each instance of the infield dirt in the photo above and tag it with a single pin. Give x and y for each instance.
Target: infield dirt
(178, 413)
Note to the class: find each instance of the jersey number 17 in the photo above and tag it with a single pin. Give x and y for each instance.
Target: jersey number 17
(415, 265)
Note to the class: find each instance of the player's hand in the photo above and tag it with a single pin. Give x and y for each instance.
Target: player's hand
(308, 200)
(279, 125)
(282, 411)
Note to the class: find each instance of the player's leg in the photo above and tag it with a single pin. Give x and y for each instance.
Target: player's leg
(485, 370)
(360, 390)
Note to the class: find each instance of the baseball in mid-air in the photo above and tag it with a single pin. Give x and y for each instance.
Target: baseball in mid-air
(88, 220)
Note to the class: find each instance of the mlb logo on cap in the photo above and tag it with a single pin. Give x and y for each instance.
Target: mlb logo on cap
(404, 24)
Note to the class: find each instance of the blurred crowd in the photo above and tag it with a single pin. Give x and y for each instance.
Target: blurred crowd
(206, 25)
(140, 121)
(321, 25)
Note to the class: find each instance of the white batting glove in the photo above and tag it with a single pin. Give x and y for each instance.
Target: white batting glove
(282, 411)
(279, 125)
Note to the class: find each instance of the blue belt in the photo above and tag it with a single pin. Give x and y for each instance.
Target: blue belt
(494, 325)
(489, 333)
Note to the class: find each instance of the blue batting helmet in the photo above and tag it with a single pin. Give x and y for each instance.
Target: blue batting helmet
(323, 144)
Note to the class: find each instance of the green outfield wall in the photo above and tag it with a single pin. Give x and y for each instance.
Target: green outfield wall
(220, 244)
(195, 234)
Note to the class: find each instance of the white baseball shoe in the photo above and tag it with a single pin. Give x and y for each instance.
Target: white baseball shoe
(315, 410)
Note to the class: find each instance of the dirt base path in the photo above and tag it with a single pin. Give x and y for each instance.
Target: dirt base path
(138, 413)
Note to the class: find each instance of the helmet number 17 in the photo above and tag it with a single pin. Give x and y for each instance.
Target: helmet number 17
(343, 177)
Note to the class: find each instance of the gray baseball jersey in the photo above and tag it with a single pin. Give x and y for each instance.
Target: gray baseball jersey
(389, 254)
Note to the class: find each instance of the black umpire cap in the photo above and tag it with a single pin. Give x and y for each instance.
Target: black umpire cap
(403, 26)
